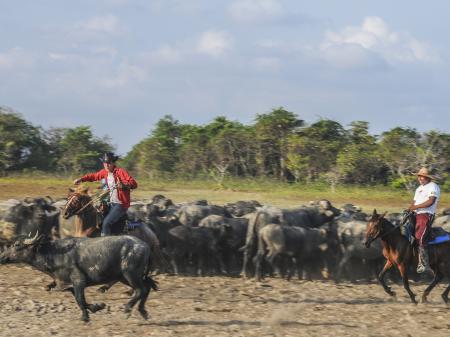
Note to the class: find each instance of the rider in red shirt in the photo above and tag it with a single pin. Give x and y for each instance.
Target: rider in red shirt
(119, 183)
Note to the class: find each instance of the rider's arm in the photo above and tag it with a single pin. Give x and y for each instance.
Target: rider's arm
(93, 176)
(425, 204)
(127, 180)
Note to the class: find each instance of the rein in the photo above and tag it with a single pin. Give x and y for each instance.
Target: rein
(97, 198)
(405, 218)
(389, 231)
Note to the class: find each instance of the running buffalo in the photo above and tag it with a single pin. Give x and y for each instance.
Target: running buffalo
(83, 262)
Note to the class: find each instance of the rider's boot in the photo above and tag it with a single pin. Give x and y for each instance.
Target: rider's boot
(423, 264)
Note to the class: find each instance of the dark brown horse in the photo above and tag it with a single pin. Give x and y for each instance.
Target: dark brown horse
(399, 252)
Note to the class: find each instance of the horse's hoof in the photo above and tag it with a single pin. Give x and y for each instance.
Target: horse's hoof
(98, 307)
(445, 298)
(144, 314)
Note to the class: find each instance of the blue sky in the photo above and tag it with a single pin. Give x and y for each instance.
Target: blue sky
(120, 65)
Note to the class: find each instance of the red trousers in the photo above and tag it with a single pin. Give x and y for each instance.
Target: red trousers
(422, 223)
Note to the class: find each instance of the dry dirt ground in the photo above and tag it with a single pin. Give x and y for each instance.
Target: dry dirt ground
(221, 306)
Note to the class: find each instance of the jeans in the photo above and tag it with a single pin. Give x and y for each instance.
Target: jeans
(116, 211)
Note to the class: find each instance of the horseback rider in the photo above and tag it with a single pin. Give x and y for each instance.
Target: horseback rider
(119, 183)
(424, 205)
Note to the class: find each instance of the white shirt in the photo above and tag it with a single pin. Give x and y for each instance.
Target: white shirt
(113, 196)
(423, 193)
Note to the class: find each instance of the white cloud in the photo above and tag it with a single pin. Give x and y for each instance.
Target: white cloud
(351, 56)
(15, 59)
(107, 24)
(255, 10)
(214, 43)
(125, 76)
(375, 36)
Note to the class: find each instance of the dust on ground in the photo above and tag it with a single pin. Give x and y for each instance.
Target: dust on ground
(221, 306)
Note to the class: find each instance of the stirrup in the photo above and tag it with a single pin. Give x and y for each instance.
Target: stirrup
(421, 268)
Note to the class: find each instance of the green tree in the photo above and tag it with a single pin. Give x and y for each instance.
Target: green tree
(158, 153)
(21, 143)
(313, 150)
(359, 161)
(80, 150)
(404, 151)
(272, 130)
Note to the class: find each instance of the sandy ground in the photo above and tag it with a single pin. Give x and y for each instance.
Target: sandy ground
(221, 306)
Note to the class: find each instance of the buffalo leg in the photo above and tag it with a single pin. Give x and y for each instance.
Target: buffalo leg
(258, 266)
(144, 296)
(437, 277)
(386, 267)
(141, 292)
(343, 262)
(249, 251)
(137, 295)
(81, 301)
(402, 270)
(96, 307)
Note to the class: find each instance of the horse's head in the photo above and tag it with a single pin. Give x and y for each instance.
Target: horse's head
(76, 200)
(374, 228)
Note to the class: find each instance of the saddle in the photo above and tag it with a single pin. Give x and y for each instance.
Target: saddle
(117, 227)
(435, 236)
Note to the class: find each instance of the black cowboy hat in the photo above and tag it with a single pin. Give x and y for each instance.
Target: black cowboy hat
(109, 157)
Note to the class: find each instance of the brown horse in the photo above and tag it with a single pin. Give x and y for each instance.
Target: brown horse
(87, 218)
(399, 252)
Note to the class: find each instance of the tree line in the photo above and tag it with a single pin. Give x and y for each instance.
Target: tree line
(278, 145)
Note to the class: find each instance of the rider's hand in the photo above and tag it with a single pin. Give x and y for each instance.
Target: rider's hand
(123, 186)
(77, 181)
(412, 207)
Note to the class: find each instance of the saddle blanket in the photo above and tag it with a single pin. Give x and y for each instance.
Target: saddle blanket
(134, 225)
(438, 235)
(439, 239)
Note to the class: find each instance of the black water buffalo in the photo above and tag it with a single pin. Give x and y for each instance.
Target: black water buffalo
(30, 216)
(352, 235)
(83, 262)
(313, 216)
(241, 208)
(194, 245)
(163, 206)
(190, 215)
(231, 233)
(301, 243)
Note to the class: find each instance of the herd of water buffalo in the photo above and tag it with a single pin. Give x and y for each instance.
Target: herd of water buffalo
(314, 241)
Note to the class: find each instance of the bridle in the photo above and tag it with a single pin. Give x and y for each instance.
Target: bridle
(90, 202)
(405, 217)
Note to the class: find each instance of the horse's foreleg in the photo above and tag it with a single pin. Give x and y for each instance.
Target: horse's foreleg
(437, 277)
(386, 267)
(403, 274)
(445, 294)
